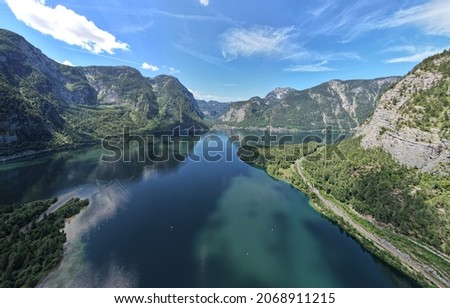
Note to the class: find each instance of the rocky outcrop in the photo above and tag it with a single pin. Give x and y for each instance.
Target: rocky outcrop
(396, 130)
(239, 112)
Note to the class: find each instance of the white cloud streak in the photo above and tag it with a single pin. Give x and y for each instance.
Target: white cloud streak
(347, 20)
(414, 58)
(258, 40)
(204, 2)
(310, 68)
(149, 67)
(65, 25)
(208, 97)
(353, 20)
(432, 18)
(219, 61)
(196, 18)
(174, 71)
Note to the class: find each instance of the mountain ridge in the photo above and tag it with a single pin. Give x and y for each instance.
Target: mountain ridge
(48, 105)
(342, 104)
(212, 109)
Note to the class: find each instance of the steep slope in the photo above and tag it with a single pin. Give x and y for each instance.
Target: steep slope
(392, 179)
(213, 109)
(412, 120)
(341, 104)
(44, 104)
(175, 104)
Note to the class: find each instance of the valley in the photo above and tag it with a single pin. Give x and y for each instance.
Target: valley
(377, 215)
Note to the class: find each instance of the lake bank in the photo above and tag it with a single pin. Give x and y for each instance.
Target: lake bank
(360, 229)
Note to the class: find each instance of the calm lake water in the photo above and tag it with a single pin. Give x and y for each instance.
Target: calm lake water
(190, 224)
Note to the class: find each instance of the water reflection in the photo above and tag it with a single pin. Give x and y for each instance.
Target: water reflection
(46, 176)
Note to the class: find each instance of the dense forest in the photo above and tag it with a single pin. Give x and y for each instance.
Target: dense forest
(414, 203)
(276, 158)
(31, 242)
(430, 109)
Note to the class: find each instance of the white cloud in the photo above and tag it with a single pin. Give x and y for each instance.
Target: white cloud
(68, 63)
(196, 18)
(258, 40)
(204, 2)
(416, 57)
(174, 71)
(208, 97)
(219, 61)
(432, 18)
(347, 20)
(310, 68)
(352, 20)
(149, 67)
(65, 25)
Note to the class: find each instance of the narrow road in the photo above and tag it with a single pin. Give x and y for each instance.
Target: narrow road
(379, 242)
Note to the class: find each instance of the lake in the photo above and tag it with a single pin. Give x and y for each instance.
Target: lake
(190, 224)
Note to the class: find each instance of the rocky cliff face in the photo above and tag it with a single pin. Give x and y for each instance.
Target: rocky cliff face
(411, 121)
(45, 104)
(212, 109)
(341, 104)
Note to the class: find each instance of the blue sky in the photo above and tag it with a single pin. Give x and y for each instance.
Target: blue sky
(234, 49)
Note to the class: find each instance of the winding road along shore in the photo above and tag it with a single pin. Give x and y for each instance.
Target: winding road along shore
(379, 242)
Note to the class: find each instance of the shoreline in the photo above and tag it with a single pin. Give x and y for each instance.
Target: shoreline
(78, 146)
(30, 153)
(224, 127)
(66, 245)
(376, 245)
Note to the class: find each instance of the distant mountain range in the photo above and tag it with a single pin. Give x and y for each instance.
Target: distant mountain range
(341, 104)
(46, 105)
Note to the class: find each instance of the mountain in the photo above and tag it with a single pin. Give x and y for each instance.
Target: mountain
(45, 104)
(412, 120)
(389, 185)
(342, 104)
(395, 171)
(213, 109)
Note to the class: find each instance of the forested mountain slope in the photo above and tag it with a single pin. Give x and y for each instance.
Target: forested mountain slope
(412, 120)
(44, 104)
